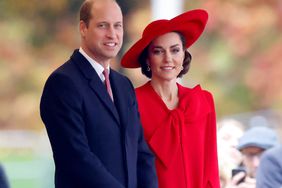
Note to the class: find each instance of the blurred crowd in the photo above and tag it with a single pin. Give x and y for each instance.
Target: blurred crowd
(249, 154)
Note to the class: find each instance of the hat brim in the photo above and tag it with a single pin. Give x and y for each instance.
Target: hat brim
(191, 24)
(258, 145)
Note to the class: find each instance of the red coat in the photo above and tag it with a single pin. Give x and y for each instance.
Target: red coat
(183, 139)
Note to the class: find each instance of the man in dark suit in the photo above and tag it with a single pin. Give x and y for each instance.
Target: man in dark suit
(92, 120)
(3, 178)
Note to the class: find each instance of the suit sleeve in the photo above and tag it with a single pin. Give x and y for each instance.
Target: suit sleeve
(62, 113)
(146, 165)
(146, 170)
(211, 160)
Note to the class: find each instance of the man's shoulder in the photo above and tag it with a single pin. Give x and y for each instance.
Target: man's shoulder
(273, 154)
(65, 66)
(66, 73)
(116, 73)
(65, 70)
(120, 76)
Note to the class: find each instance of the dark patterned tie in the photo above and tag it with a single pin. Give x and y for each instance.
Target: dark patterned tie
(107, 83)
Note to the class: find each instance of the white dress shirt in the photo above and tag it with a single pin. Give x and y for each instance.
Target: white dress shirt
(97, 67)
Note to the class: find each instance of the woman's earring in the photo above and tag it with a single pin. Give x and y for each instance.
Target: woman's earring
(148, 65)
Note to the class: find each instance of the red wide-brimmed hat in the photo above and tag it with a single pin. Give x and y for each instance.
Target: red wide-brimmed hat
(191, 24)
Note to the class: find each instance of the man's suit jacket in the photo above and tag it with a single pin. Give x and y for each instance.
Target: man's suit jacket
(95, 142)
(3, 178)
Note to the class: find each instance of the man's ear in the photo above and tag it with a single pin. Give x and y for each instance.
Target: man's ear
(82, 28)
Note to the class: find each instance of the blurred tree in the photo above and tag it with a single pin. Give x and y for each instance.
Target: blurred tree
(239, 36)
(237, 57)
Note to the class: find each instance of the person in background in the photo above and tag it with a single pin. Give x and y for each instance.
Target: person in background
(90, 111)
(252, 144)
(3, 178)
(269, 173)
(229, 157)
(179, 122)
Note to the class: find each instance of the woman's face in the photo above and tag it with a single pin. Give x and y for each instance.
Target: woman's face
(166, 56)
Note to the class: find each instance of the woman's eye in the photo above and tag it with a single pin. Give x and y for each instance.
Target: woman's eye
(175, 50)
(156, 52)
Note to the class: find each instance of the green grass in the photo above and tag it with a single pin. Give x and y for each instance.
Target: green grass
(26, 169)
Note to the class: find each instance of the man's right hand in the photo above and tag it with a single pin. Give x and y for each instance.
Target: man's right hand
(248, 183)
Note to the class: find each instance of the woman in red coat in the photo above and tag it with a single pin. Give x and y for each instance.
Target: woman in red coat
(179, 122)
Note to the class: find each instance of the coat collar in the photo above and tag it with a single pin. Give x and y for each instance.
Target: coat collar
(122, 99)
(94, 82)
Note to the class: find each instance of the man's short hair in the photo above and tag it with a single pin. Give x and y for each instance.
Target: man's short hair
(85, 11)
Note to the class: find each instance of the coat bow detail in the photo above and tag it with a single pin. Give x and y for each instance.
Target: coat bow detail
(167, 138)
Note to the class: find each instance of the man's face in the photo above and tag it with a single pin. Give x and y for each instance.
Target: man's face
(251, 159)
(103, 37)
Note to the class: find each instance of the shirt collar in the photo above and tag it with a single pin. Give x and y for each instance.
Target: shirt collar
(98, 67)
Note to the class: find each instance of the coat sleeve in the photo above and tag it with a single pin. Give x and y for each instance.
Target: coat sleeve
(211, 160)
(61, 112)
(146, 170)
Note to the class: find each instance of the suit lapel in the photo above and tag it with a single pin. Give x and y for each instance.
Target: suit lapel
(95, 82)
(120, 96)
